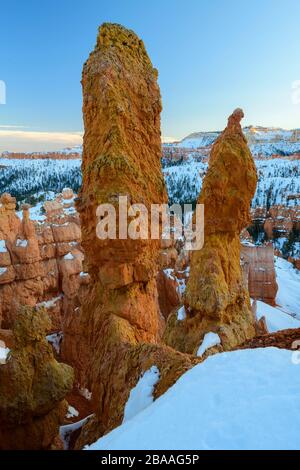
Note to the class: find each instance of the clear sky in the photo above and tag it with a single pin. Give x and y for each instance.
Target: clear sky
(212, 57)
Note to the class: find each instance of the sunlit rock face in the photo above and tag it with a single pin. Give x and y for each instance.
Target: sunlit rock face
(121, 324)
(33, 386)
(40, 261)
(216, 298)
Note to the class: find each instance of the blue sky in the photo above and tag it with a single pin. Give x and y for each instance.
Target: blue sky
(212, 56)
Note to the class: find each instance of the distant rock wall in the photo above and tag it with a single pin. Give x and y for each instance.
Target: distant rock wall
(259, 271)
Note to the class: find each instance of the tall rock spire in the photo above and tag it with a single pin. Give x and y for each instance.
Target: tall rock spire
(216, 298)
(121, 320)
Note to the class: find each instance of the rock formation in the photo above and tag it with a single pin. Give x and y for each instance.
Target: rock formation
(259, 271)
(216, 298)
(40, 262)
(121, 319)
(282, 220)
(33, 386)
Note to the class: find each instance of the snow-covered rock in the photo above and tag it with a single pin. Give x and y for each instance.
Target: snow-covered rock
(141, 396)
(209, 341)
(246, 399)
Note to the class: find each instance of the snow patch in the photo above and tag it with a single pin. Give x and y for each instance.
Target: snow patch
(209, 341)
(21, 243)
(3, 271)
(69, 256)
(276, 319)
(82, 274)
(85, 393)
(288, 280)
(181, 314)
(3, 248)
(141, 396)
(72, 412)
(55, 340)
(3, 353)
(49, 303)
(67, 430)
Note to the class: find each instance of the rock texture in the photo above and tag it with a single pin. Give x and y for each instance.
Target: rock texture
(259, 271)
(216, 298)
(282, 220)
(121, 319)
(284, 339)
(33, 386)
(40, 262)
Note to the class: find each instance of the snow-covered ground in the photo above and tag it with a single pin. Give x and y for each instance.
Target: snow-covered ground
(278, 179)
(26, 178)
(246, 399)
(288, 279)
(262, 141)
(286, 314)
(276, 319)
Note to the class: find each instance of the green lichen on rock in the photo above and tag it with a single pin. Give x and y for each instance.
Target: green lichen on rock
(32, 384)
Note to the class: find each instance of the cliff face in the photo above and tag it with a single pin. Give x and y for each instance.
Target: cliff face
(216, 297)
(33, 386)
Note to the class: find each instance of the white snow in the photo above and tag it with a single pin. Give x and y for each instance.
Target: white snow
(181, 314)
(66, 431)
(49, 303)
(31, 176)
(277, 180)
(72, 412)
(246, 399)
(3, 353)
(3, 248)
(210, 340)
(141, 396)
(69, 256)
(22, 243)
(55, 339)
(276, 319)
(84, 392)
(288, 279)
(3, 271)
(262, 141)
(83, 274)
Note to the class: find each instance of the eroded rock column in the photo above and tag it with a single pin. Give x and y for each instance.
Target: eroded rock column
(120, 319)
(216, 298)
